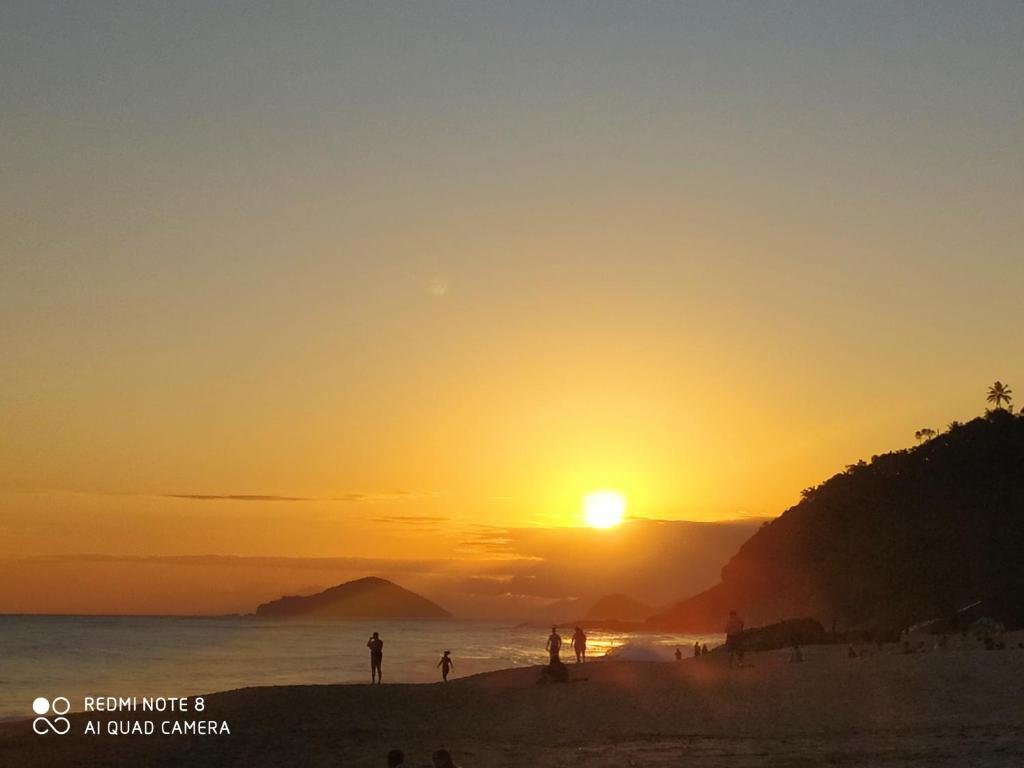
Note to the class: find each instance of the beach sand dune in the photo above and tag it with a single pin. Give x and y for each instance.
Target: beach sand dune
(944, 708)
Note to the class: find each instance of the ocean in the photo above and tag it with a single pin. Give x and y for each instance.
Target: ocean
(152, 656)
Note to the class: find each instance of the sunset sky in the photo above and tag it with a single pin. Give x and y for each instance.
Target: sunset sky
(396, 281)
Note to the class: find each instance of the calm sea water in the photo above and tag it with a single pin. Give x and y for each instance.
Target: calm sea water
(76, 656)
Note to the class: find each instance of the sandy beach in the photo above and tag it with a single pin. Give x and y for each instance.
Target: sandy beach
(944, 708)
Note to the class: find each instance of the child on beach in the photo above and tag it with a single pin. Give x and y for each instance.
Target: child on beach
(446, 664)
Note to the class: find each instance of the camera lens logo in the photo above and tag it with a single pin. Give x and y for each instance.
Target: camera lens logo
(59, 725)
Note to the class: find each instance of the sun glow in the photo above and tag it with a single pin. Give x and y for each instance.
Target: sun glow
(604, 509)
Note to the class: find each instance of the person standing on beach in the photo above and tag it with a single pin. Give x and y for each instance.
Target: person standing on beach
(696, 650)
(733, 629)
(554, 645)
(579, 644)
(446, 664)
(376, 646)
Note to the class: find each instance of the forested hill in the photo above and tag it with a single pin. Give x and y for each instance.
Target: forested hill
(912, 535)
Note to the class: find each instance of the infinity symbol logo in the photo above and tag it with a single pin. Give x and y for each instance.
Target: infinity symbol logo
(58, 725)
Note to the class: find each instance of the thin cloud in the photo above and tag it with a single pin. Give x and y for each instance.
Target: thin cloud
(347, 497)
(411, 519)
(395, 565)
(234, 497)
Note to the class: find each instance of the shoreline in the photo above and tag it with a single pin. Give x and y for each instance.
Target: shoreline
(944, 708)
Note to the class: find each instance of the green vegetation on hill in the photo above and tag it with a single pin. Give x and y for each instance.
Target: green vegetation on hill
(911, 535)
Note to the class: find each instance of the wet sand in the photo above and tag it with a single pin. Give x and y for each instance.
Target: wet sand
(943, 708)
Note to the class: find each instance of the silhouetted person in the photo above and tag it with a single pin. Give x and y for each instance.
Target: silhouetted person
(696, 650)
(554, 645)
(396, 759)
(733, 630)
(679, 654)
(704, 650)
(446, 664)
(376, 646)
(579, 644)
(442, 759)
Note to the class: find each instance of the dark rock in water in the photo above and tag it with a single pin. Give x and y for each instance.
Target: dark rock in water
(370, 598)
(785, 634)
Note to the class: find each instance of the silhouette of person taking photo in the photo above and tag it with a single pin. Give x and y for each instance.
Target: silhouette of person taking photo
(446, 664)
(376, 646)
(733, 630)
(554, 645)
(579, 644)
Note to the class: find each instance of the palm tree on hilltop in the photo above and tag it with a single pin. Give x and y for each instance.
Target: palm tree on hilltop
(998, 394)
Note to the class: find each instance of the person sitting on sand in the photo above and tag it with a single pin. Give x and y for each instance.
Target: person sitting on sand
(376, 646)
(733, 629)
(446, 664)
(442, 759)
(554, 645)
(579, 644)
(679, 654)
(396, 759)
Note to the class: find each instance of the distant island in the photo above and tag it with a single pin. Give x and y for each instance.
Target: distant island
(618, 608)
(367, 598)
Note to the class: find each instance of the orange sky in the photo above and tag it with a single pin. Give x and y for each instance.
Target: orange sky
(423, 270)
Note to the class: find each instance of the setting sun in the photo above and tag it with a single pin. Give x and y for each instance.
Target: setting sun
(603, 509)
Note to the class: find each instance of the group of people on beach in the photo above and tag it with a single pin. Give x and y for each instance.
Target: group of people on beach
(446, 663)
(376, 646)
(698, 651)
(579, 645)
(733, 629)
